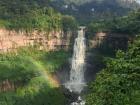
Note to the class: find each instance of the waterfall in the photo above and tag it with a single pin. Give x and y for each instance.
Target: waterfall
(77, 82)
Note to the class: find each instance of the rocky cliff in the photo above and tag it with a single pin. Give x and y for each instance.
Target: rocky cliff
(54, 40)
(110, 40)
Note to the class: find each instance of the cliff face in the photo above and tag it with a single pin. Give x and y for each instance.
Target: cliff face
(109, 41)
(11, 40)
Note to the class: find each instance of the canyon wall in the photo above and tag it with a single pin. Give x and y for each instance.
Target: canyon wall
(54, 40)
(112, 40)
(10, 40)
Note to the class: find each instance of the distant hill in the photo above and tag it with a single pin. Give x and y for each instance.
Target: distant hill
(86, 10)
(77, 2)
(80, 2)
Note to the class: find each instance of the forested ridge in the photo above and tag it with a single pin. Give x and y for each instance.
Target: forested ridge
(87, 10)
(48, 14)
(31, 15)
(118, 83)
(80, 2)
(127, 25)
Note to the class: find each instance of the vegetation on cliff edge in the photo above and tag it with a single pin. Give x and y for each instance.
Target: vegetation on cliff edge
(29, 71)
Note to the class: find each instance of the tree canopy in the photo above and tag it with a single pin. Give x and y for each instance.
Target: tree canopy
(125, 25)
(29, 15)
(118, 83)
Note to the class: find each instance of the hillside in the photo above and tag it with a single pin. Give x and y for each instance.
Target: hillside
(94, 9)
(118, 82)
(39, 13)
(80, 2)
(31, 15)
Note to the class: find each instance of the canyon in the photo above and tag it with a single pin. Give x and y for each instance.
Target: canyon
(55, 40)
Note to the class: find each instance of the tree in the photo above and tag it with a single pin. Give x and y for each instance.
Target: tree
(29, 15)
(69, 23)
(118, 83)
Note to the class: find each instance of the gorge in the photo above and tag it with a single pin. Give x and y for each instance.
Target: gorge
(69, 52)
(76, 82)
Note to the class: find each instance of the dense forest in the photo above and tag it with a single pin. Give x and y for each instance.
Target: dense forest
(87, 10)
(118, 82)
(25, 80)
(29, 76)
(127, 24)
(32, 14)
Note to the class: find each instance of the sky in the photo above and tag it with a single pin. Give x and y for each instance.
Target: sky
(138, 1)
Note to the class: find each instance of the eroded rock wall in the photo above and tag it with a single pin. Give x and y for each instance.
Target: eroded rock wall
(114, 40)
(10, 40)
(54, 40)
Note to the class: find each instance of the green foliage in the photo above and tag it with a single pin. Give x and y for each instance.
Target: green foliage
(33, 15)
(17, 68)
(118, 83)
(51, 60)
(54, 60)
(28, 69)
(4, 23)
(43, 20)
(87, 10)
(126, 25)
(29, 15)
(94, 27)
(33, 95)
(80, 2)
(69, 23)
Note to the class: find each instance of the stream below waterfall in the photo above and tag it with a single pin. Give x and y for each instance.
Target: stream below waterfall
(76, 82)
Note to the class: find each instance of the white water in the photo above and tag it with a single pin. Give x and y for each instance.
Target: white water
(79, 102)
(77, 82)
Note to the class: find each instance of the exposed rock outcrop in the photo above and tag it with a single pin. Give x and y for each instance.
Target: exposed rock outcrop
(6, 86)
(114, 40)
(54, 40)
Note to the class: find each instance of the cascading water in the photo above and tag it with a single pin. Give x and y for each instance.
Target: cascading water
(76, 82)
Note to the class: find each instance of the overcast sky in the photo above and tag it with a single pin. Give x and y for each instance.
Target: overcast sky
(138, 1)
